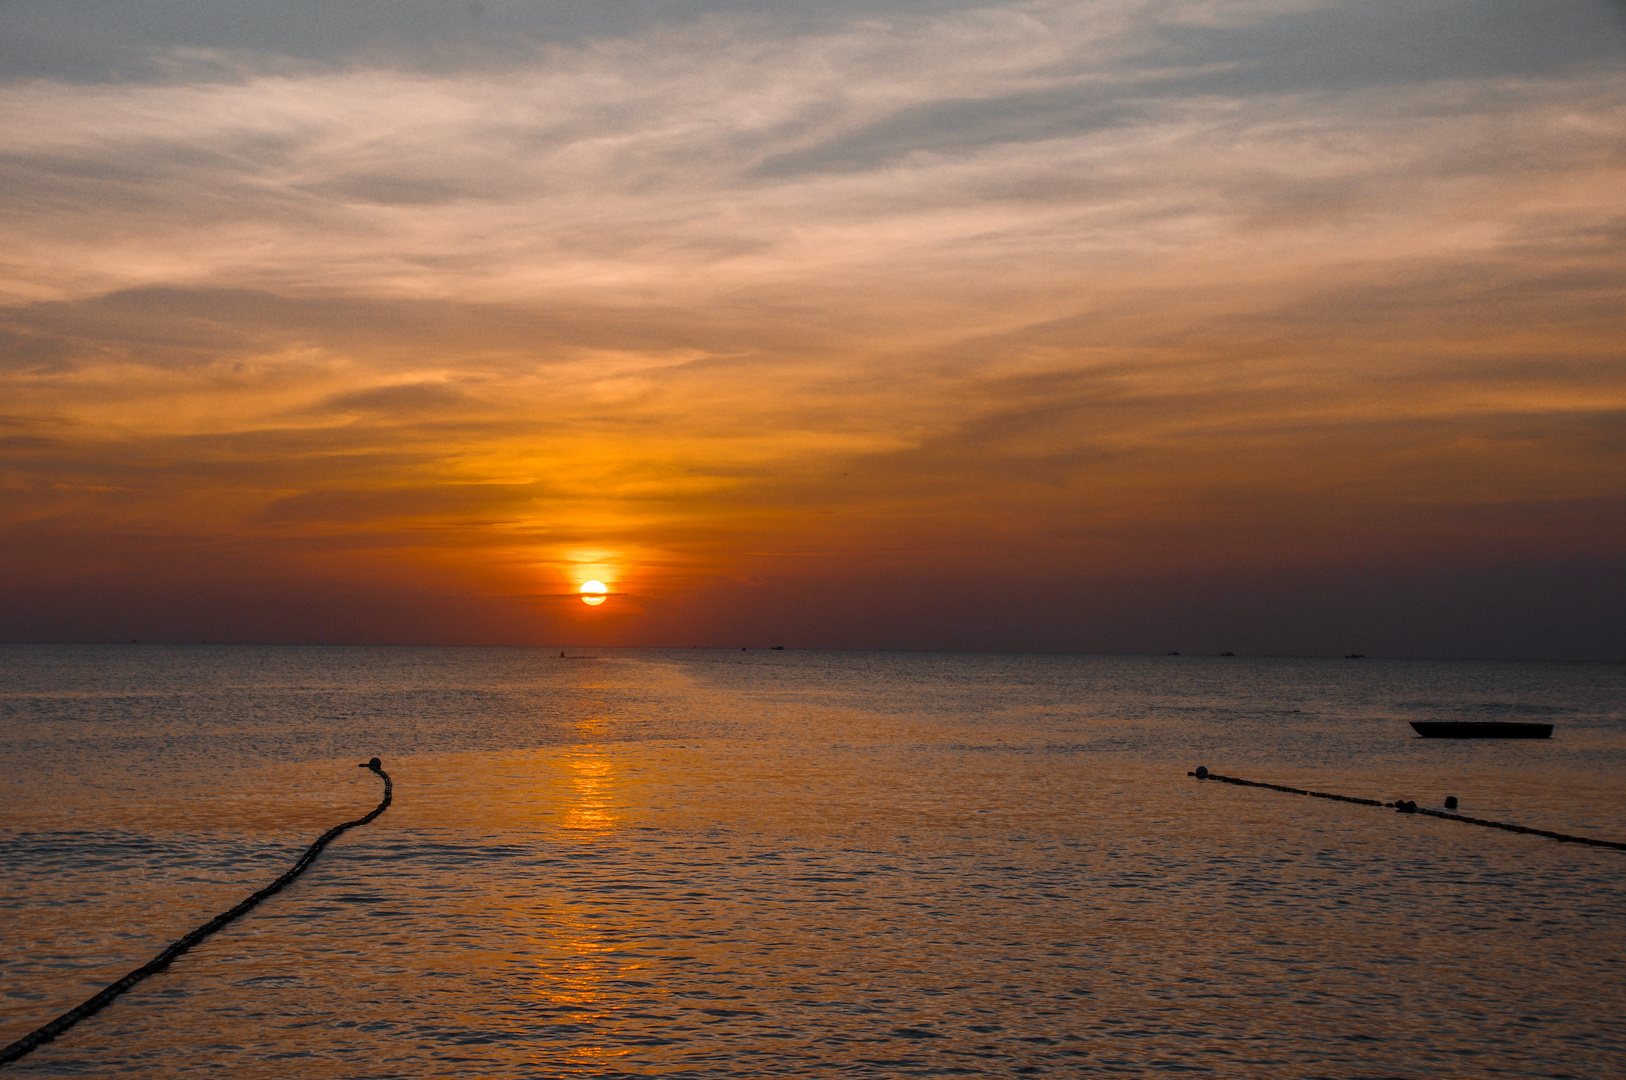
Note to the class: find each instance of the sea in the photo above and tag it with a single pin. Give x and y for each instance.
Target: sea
(785, 863)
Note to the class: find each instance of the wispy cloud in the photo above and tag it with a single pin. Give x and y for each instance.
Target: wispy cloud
(717, 158)
(1054, 278)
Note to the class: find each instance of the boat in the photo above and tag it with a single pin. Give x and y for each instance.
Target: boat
(1473, 729)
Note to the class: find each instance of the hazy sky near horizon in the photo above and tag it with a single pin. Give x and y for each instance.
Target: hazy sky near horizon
(1274, 325)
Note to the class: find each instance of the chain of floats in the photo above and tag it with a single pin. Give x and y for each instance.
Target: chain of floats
(1407, 807)
(162, 960)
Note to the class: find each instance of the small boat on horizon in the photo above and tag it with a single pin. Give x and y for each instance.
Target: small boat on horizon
(1474, 729)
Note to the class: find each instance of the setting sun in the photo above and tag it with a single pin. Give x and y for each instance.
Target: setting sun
(593, 592)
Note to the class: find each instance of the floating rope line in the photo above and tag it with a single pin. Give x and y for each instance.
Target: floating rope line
(1404, 806)
(162, 960)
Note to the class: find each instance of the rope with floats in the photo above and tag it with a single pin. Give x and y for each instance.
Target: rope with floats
(158, 963)
(1405, 806)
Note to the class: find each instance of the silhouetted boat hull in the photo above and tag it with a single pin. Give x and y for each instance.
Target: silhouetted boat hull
(1461, 729)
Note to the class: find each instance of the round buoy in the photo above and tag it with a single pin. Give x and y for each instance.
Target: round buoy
(1450, 802)
(1202, 772)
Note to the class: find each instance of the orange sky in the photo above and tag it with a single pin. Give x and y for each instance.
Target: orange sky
(1075, 326)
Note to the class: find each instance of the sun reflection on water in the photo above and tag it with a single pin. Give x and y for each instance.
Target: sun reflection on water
(582, 966)
(590, 803)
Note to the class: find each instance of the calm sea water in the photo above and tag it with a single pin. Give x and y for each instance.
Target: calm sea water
(715, 864)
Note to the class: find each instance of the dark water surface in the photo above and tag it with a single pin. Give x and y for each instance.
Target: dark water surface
(714, 864)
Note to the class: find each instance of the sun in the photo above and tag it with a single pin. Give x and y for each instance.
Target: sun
(593, 593)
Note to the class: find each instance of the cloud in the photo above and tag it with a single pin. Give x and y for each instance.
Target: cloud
(455, 501)
(409, 399)
(1052, 284)
(691, 162)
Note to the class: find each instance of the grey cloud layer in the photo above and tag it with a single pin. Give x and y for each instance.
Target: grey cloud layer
(725, 157)
(1279, 46)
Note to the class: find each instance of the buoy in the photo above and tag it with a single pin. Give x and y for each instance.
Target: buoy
(371, 763)
(1202, 772)
(1406, 806)
(1450, 802)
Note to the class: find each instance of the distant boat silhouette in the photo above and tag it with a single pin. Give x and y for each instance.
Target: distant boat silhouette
(1474, 729)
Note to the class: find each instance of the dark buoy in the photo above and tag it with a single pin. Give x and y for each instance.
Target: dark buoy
(1450, 802)
(1404, 806)
(371, 763)
(1202, 772)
